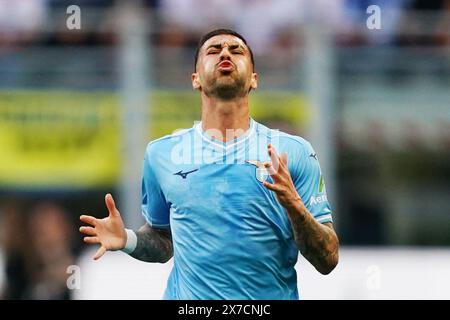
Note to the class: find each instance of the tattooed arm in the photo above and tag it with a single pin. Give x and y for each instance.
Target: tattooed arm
(153, 245)
(317, 242)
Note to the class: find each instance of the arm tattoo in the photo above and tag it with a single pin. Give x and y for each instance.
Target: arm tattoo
(153, 245)
(317, 242)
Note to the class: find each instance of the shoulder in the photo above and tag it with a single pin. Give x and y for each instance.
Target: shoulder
(163, 146)
(301, 155)
(286, 142)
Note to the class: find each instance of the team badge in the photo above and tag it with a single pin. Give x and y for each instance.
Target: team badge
(261, 172)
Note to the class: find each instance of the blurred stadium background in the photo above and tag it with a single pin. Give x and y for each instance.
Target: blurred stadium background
(77, 108)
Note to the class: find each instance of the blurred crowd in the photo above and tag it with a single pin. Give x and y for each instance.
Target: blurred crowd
(181, 22)
(38, 245)
(40, 242)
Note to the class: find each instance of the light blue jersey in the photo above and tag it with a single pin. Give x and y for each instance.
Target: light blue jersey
(231, 237)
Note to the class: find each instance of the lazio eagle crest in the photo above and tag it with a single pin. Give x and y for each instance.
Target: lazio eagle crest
(261, 172)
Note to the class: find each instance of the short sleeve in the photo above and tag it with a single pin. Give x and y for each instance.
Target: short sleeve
(154, 205)
(310, 183)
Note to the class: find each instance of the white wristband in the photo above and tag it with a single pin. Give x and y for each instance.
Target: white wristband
(131, 241)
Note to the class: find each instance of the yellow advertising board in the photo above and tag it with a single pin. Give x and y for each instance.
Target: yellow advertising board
(64, 139)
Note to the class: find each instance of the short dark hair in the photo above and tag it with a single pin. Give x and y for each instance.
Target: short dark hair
(217, 32)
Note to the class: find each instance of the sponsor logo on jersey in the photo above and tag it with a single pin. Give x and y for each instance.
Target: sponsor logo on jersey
(184, 174)
(316, 200)
(313, 155)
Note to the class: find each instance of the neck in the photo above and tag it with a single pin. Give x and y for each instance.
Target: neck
(225, 120)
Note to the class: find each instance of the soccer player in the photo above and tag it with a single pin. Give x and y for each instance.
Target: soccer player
(232, 201)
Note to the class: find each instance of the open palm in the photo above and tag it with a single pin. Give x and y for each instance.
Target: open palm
(109, 232)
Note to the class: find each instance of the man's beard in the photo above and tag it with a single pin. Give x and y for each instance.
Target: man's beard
(227, 90)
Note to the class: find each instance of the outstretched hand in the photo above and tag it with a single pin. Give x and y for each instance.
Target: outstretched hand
(109, 232)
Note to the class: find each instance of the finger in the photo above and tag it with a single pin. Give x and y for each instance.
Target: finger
(91, 240)
(269, 168)
(272, 186)
(284, 158)
(89, 220)
(273, 157)
(100, 252)
(111, 205)
(88, 230)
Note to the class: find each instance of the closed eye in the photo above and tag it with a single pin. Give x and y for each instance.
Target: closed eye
(213, 49)
(236, 49)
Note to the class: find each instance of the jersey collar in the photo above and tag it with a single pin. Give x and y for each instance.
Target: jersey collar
(229, 144)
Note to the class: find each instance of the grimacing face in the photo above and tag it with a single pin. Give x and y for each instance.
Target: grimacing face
(224, 68)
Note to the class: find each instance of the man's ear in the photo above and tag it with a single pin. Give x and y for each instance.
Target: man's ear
(254, 81)
(196, 81)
